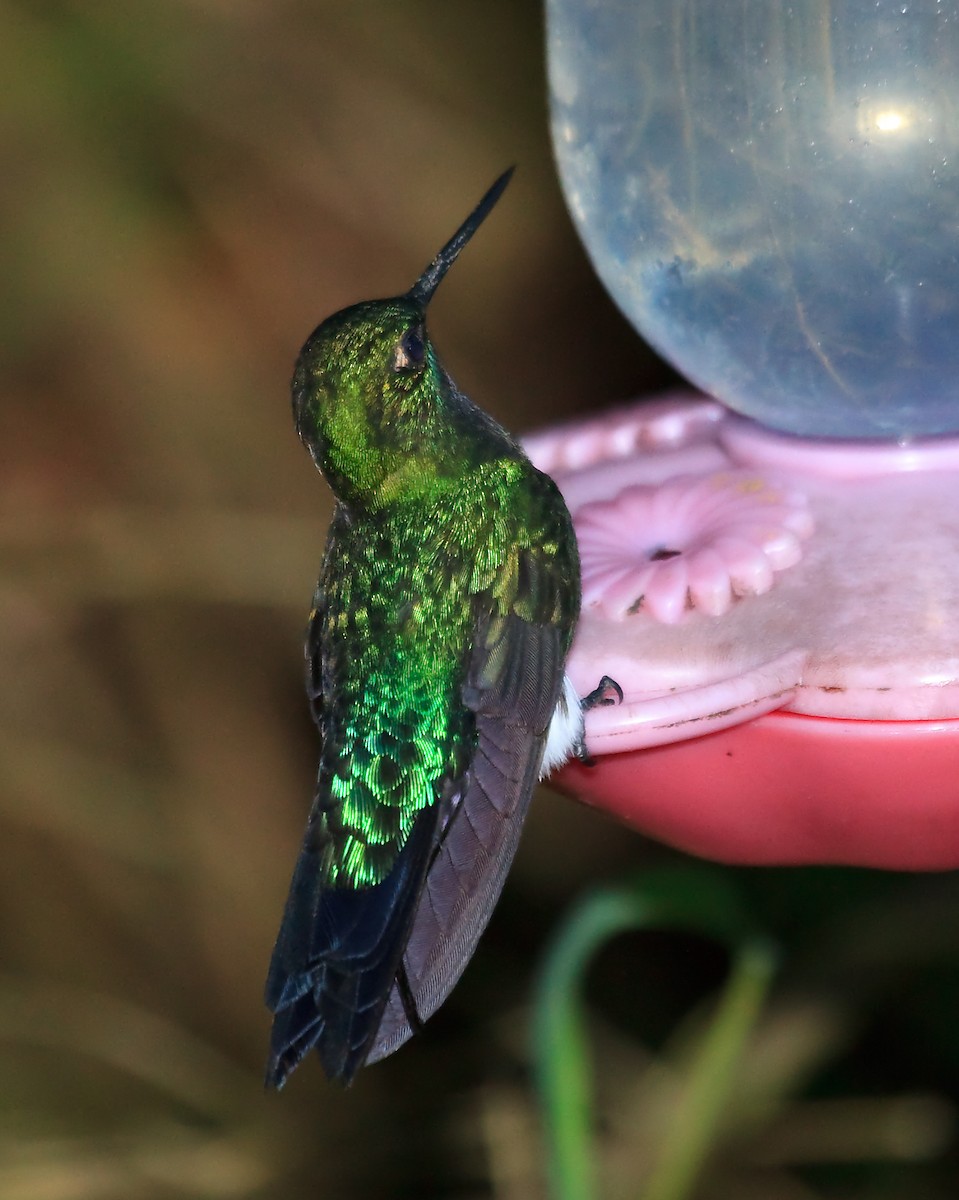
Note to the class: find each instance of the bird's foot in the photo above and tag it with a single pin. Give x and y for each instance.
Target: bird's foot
(599, 697)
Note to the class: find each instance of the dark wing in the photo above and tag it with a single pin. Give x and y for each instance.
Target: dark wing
(513, 685)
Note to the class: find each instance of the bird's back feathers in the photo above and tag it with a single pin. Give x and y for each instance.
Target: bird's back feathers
(442, 650)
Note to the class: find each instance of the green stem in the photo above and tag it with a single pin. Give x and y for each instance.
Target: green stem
(560, 1040)
(712, 1076)
(560, 1049)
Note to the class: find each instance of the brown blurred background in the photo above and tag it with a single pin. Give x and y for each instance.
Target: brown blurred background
(186, 189)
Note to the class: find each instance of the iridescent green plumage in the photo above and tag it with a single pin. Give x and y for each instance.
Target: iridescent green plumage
(397, 614)
(441, 624)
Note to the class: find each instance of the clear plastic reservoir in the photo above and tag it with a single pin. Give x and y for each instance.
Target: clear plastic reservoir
(770, 192)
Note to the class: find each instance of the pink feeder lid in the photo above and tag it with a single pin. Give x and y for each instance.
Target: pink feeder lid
(783, 617)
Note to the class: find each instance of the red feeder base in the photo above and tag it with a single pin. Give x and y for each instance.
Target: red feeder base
(786, 789)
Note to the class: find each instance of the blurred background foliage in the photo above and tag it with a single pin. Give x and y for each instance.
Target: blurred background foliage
(187, 188)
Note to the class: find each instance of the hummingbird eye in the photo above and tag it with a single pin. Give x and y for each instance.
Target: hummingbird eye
(410, 350)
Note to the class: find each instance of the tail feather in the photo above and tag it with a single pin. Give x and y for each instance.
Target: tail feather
(336, 956)
(296, 1029)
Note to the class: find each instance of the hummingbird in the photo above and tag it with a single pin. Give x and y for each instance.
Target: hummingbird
(436, 647)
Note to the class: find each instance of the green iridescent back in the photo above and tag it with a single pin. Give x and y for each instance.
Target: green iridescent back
(392, 634)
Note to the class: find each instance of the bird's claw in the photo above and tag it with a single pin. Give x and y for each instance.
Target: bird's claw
(599, 697)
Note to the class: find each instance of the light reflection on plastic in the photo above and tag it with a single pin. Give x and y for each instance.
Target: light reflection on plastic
(890, 121)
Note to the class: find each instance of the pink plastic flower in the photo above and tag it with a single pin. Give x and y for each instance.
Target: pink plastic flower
(694, 542)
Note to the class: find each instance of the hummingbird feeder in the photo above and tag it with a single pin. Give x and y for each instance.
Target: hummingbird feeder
(770, 193)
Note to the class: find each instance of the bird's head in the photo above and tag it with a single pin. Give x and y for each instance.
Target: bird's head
(370, 399)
